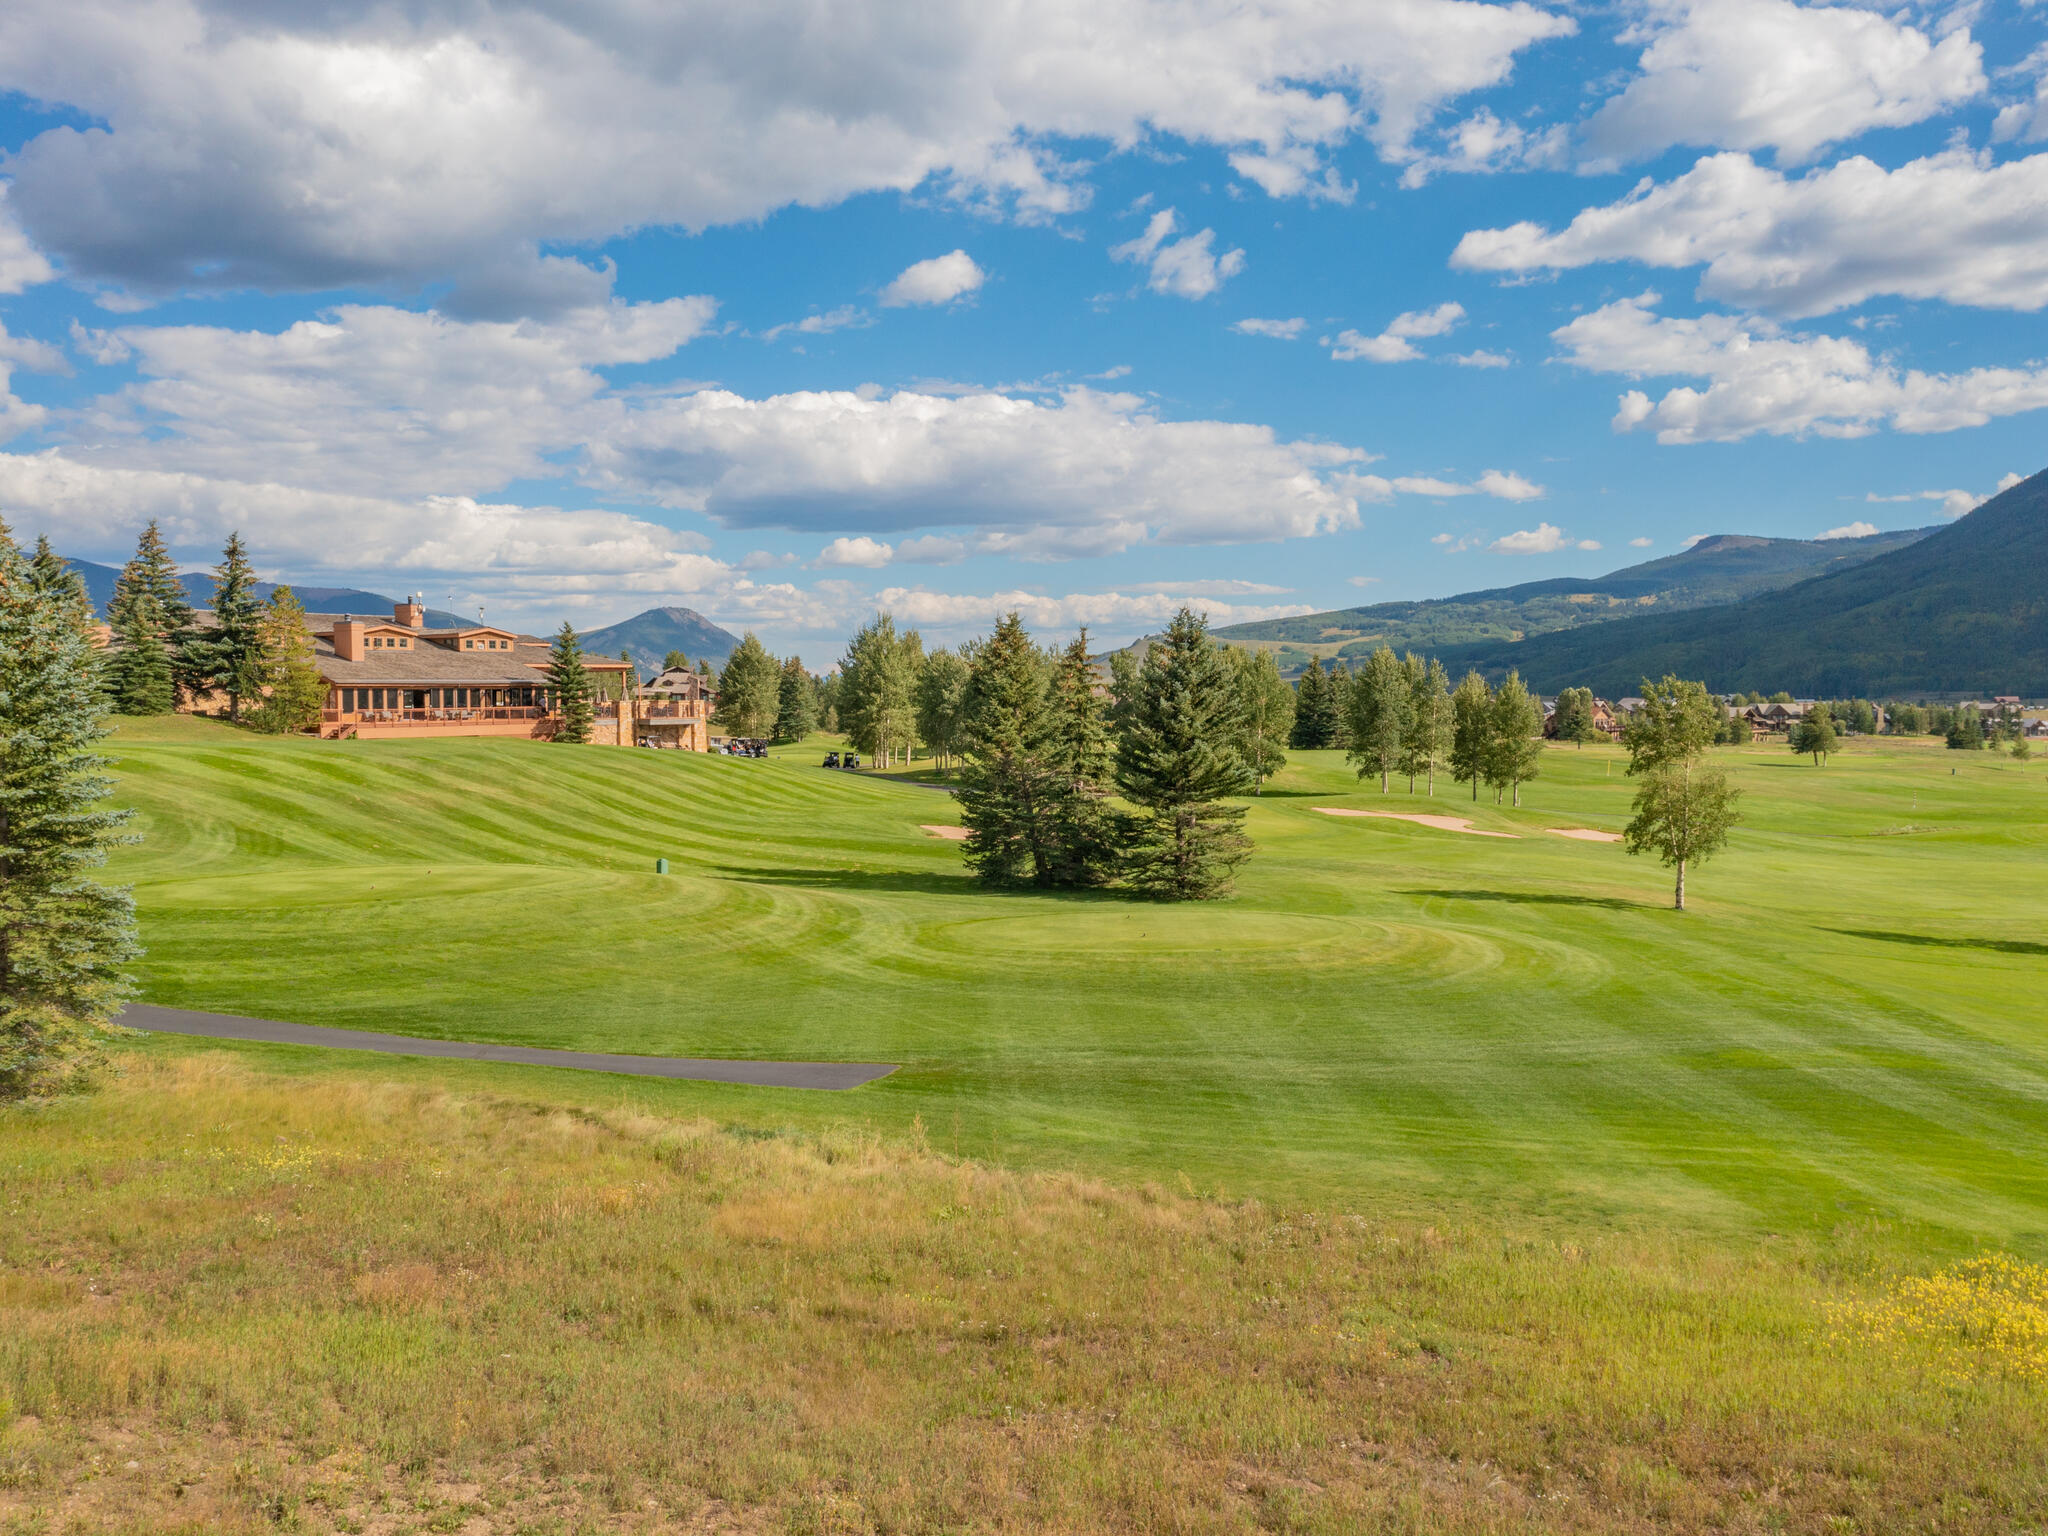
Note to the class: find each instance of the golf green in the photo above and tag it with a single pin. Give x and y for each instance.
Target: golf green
(1850, 1025)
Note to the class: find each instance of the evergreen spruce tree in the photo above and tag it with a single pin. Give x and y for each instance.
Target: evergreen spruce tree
(1379, 707)
(1471, 730)
(153, 571)
(294, 692)
(749, 690)
(1573, 720)
(1266, 705)
(1965, 731)
(1429, 721)
(1123, 691)
(1007, 783)
(1516, 747)
(52, 575)
(228, 657)
(143, 675)
(796, 706)
(569, 687)
(1177, 761)
(675, 661)
(1315, 710)
(63, 938)
(137, 670)
(1087, 834)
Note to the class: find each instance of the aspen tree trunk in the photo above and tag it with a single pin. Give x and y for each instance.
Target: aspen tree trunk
(1681, 885)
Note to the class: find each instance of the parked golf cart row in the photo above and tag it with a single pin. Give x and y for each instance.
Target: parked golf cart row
(842, 759)
(740, 746)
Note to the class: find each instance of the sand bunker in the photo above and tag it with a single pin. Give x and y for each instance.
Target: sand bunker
(1442, 823)
(1586, 834)
(950, 834)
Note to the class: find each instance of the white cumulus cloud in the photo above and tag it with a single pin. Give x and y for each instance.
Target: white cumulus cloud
(1187, 268)
(1952, 226)
(1856, 530)
(1756, 74)
(375, 400)
(1543, 539)
(1086, 472)
(939, 280)
(1760, 379)
(402, 144)
(1396, 344)
(863, 552)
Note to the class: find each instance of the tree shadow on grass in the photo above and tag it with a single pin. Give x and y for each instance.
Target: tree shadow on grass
(907, 882)
(1539, 898)
(2003, 946)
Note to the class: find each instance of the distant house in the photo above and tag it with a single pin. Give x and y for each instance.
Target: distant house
(675, 711)
(1767, 720)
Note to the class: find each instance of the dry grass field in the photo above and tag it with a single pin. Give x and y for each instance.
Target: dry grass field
(241, 1302)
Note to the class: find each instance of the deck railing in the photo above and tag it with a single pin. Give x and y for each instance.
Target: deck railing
(429, 716)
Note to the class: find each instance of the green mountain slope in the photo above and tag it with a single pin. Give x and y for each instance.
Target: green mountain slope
(1962, 611)
(1723, 569)
(650, 636)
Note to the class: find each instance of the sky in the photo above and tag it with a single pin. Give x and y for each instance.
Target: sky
(791, 312)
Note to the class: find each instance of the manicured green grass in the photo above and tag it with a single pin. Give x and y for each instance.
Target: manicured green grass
(1848, 1029)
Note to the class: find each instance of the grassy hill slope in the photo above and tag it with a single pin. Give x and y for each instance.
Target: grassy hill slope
(1723, 569)
(1963, 611)
(1396, 1018)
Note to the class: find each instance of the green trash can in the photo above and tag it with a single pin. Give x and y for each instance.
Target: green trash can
(661, 866)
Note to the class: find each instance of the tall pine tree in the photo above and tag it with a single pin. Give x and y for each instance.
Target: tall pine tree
(1178, 760)
(1087, 834)
(1007, 785)
(151, 622)
(749, 690)
(228, 656)
(63, 937)
(1315, 710)
(137, 669)
(796, 702)
(293, 689)
(569, 687)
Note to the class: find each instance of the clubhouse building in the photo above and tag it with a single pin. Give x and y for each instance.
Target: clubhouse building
(396, 677)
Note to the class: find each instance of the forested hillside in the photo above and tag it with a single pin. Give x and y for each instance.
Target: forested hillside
(1962, 611)
(1723, 569)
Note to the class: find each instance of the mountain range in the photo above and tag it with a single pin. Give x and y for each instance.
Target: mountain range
(1962, 611)
(1722, 569)
(647, 637)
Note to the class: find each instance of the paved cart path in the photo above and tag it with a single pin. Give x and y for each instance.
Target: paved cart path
(761, 1074)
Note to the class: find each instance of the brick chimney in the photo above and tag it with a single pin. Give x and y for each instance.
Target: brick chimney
(411, 613)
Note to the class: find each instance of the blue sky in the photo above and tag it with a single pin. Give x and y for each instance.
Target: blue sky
(1087, 309)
